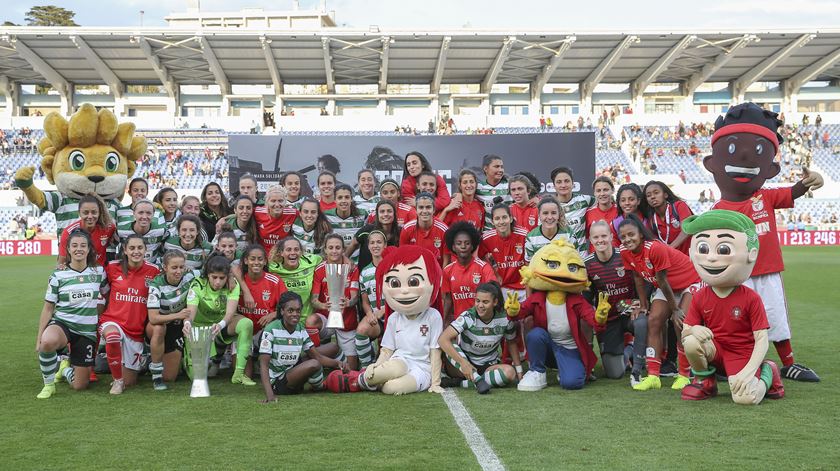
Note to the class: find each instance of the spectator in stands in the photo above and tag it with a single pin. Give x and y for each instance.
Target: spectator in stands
(414, 164)
(214, 206)
(464, 206)
(542, 122)
(293, 183)
(605, 208)
(326, 190)
(666, 211)
(630, 200)
(682, 175)
(818, 121)
(549, 122)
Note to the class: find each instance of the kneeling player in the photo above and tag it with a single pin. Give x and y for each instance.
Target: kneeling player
(284, 369)
(478, 332)
(726, 326)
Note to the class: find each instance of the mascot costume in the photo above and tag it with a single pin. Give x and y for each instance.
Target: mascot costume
(557, 276)
(744, 148)
(409, 359)
(726, 327)
(90, 154)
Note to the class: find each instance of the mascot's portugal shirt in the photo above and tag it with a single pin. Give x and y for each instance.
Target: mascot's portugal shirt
(761, 208)
(273, 230)
(656, 256)
(462, 282)
(127, 297)
(266, 292)
(508, 253)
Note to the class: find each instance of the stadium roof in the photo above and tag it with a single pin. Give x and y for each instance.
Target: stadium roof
(119, 56)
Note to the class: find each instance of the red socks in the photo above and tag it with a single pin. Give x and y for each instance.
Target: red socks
(314, 334)
(113, 350)
(682, 363)
(653, 366)
(785, 352)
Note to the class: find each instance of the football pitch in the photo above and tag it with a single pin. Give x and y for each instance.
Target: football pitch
(604, 426)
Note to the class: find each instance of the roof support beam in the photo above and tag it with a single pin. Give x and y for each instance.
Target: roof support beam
(383, 69)
(11, 91)
(812, 71)
(709, 69)
(638, 86)
(547, 71)
(441, 64)
(105, 72)
(160, 70)
(498, 63)
(215, 66)
(328, 69)
(59, 83)
(739, 87)
(598, 74)
(265, 43)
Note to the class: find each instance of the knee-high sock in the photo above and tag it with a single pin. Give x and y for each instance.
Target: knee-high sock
(317, 379)
(640, 327)
(682, 362)
(785, 351)
(495, 378)
(364, 349)
(49, 365)
(113, 350)
(156, 369)
(69, 374)
(244, 333)
(453, 362)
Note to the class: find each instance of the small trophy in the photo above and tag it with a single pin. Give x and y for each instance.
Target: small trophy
(201, 339)
(336, 283)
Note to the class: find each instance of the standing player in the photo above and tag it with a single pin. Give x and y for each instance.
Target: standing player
(674, 279)
(291, 182)
(574, 206)
(523, 208)
(665, 211)
(275, 219)
(415, 164)
(464, 206)
(472, 341)
(630, 200)
(605, 208)
(148, 227)
(744, 146)
(241, 223)
(189, 241)
(346, 219)
(385, 223)
(167, 199)
(552, 227)
(366, 197)
(607, 274)
(167, 306)
(426, 231)
(493, 185)
(370, 327)
(311, 227)
(462, 277)
(389, 190)
(123, 324)
(96, 221)
(70, 315)
(326, 190)
(214, 206)
(316, 325)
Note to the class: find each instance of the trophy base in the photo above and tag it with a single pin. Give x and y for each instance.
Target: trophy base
(335, 320)
(200, 388)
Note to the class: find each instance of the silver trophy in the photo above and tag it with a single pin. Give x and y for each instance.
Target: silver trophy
(336, 284)
(201, 339)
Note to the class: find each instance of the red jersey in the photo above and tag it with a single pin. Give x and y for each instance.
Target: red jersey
(326, 206)
(761, 208)
(509, 254)
(597, 214)
(669, 227)
(472, 212)
(431, 239)
(527, 217)
(462, 282)
(405, 214)
(101, 238)
(266, 292)
(272, 230)
(320, 290)
(656, 256)
(612, 278)
(732, 320)
(127, 298)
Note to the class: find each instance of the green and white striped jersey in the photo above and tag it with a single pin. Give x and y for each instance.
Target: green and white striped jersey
(167, 298)
(125, 215)
(535, 240)
(66, 209)
(170, 225)
(195, 257)
(76, 295)
(347, 227)
(575, 210)
(486, 193)
(479, 340)
(154, 238)
(366, 205)
(367, 283)
(306, 238)
(285, 348)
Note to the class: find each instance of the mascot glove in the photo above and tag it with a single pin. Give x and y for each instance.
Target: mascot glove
(512, 304)
(701, 333)
(603, 308)
(812, 180)
(23, 177)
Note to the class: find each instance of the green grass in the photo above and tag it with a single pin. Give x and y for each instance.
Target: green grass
(605, 426)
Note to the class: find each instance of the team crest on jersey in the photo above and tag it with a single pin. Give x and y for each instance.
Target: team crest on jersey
(289, 341)
(675, 223)
(519, 249)
(757, 203)
(736, 312)
(532, 221)
(437, 242)
(424, 330)
(487, 331)
(286, 227)
(649, 264)
(493, 192)
(266, 294)
(620, 272)
(103, 240)
(476, 278)
(81, 279)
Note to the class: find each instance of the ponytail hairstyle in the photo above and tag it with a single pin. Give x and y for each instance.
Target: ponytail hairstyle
(276, 254)
(322, 226)
(247, 252)
(493, 289)
(229, 225)
(354, 211)
(90, 260)
(161, 194)
(123, 255)
(523, 179)
(633, 220)
(561, 220)
(329, 237)
(505, 208)
(216, 264)
(104, 219)
(199, 238)
(170, 255)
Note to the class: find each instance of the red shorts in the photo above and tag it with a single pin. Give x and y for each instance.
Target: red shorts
(730, 363)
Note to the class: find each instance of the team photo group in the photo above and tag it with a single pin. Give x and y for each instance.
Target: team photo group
(402, 286)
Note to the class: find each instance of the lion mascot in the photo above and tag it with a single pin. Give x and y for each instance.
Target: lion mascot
(90, 154)
(556, 277)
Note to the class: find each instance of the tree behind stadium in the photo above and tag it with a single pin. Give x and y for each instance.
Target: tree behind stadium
(50, 15)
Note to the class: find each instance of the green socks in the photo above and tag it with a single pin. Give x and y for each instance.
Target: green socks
(244, 333)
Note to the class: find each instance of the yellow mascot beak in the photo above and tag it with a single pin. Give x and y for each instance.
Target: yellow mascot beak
(558, 267)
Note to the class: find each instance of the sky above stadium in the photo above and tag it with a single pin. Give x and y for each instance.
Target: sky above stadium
(562, 15)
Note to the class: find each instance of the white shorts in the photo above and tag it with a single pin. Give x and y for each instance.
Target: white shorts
(132, 350)
(520, 294)
(678, 295)
(772, 291)
(420, 372)
(347, 342)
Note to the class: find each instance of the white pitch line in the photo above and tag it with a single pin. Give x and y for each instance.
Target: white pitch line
(482, 450)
